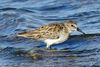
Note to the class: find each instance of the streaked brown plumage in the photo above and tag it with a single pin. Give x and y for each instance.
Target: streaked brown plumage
(52, 33)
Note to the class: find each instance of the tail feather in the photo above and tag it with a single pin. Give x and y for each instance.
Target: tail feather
(33, 35)
(25, 34)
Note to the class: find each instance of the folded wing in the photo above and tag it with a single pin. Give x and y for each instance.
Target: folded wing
(51, 31)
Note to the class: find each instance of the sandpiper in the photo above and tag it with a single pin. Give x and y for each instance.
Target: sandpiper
(53, 33)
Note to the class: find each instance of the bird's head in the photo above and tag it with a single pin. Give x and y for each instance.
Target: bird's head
(72, 26)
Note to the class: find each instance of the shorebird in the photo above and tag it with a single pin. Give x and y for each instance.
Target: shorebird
(53, 33)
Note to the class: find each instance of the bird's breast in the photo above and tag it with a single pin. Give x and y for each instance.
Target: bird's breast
(62, 38)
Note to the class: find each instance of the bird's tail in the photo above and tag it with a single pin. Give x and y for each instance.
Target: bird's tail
(25, 34)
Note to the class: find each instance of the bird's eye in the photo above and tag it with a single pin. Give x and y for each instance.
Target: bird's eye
(72, 25)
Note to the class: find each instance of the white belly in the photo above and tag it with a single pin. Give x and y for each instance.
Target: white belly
(61, 39)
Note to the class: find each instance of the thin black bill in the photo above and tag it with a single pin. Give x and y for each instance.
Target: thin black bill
(80, 30)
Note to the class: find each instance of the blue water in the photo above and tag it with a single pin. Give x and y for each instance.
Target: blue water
(24, 15)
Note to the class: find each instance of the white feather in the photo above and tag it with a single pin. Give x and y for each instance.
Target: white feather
(61, 39)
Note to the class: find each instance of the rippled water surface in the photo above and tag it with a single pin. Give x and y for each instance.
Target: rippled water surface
(24, 15)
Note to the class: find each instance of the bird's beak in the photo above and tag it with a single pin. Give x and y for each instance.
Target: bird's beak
(80, 30)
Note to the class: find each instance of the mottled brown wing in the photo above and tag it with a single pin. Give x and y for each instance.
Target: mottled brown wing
(50, 31)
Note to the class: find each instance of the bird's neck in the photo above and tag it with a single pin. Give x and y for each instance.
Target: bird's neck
(67, 28)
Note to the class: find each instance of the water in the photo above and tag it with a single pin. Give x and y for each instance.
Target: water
(24, 15)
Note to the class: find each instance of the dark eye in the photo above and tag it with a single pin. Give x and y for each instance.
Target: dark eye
(72, 25)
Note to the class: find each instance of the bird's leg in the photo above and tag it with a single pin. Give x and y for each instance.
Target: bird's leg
(48, 46)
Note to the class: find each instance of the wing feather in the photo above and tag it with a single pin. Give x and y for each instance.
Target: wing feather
(51, 31)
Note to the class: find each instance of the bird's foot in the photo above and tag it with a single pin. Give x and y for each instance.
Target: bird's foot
(51, 48)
